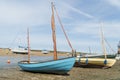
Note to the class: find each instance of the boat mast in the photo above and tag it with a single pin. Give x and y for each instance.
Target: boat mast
(28, 45)
(103, 44)
(64, 32)
(53, 32)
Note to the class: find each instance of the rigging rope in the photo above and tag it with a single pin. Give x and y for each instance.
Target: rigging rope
(109, 45)
(63, 30)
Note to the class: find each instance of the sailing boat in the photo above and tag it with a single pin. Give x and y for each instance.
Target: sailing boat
(90, 55)
(58, 66)
(20, 50)
(97, 61)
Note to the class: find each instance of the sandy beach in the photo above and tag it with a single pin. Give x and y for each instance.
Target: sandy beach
(77, 73)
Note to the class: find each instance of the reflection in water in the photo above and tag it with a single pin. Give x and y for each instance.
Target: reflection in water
(14, 60)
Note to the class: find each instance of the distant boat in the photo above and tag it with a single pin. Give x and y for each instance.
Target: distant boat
(45, 51)
(58, 66)
(20, 50)
(96, 61)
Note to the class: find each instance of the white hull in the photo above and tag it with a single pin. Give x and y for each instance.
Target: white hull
(19, 51)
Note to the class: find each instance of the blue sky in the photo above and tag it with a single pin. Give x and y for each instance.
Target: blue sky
(81, 20)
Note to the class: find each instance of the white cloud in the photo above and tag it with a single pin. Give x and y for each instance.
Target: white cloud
(15, 13)
(79, 11)
(114, 2)
(89, 35)
(16, 16)
(110, 29)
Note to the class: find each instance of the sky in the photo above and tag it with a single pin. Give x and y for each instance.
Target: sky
(80, 18)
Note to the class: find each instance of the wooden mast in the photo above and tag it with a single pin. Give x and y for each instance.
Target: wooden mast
(28, 45)
(64, 32)
(53, 32)
(103, 44)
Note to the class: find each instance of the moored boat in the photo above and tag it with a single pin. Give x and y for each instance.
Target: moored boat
(95, 62)
(58, 66)
(20, 50)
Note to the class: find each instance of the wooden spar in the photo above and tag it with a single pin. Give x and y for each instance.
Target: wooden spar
(103, 44)
(53, 32)
(63, 30)
(28, 45)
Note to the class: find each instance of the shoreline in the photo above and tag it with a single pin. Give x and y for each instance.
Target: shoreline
(8, 52)
(77, 73)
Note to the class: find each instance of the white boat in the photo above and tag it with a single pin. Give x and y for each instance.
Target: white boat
(20, 50)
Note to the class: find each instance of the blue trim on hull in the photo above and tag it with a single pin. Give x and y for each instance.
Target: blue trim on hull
(60, 66)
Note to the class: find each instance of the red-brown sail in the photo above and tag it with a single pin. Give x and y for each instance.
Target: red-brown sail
(53, 33)
(54, 66)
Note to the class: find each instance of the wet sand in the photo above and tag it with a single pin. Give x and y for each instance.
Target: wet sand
(77, 73)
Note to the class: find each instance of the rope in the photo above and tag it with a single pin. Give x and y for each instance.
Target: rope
(63, 30)
(109, 46)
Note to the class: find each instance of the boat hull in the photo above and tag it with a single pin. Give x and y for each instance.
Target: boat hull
(94, 62)
(19, 51)
(61, 66)
(112, 56)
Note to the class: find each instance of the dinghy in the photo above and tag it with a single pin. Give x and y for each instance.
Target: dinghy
(58, 66)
